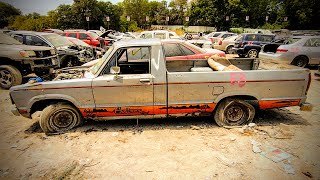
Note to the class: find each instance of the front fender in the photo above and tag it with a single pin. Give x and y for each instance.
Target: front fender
(35, 99)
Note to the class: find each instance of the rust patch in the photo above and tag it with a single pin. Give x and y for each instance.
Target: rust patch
(146, 110)
(278, 103)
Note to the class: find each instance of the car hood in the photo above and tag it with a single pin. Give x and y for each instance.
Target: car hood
(27, 47)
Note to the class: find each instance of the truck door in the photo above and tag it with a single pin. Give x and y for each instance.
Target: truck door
(129, 93)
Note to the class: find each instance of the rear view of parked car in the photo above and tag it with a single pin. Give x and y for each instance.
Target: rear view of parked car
(226, 44)
(249, 44)
(298, 50)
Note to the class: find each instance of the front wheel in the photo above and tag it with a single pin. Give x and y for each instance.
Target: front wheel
(9, 76)
(234, 112)
(59, 118)
(229, 50)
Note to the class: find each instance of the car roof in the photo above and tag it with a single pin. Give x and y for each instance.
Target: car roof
(137, 42)
(31, 33)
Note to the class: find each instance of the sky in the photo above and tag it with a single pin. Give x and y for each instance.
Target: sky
(40, 6)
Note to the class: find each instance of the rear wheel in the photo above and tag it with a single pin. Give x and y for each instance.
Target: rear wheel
(229, 50)
(301, 61)
(234, 112)
(59, 118)
(253, 53)
(9, 76)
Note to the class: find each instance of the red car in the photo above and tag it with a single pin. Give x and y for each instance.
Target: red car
(182, 50)
(87, 37)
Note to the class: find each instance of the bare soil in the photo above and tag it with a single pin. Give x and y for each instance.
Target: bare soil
(188, 148)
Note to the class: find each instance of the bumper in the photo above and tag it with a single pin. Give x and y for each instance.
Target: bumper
(274, 56)
(219, 47)
(306, 107)
(15, 110)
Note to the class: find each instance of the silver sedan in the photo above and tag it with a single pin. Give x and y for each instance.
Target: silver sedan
(298, 50)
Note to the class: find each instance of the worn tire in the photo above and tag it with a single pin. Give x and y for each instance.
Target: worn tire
(234, 112)
(301, 61)
(252, 53)
(60, 117)
(9, 76)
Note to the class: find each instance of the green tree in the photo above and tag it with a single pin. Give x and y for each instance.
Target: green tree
(87, 8)
(113, 11)
(6, 13)
(136, 9)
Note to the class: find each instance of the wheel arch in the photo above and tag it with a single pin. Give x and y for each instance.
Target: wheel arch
(243, 97)
(38, 103)
(301, 55)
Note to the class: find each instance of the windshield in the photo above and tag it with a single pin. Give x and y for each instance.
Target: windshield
(5, 39)
(94, 69)
(57, 40)
(195, 47)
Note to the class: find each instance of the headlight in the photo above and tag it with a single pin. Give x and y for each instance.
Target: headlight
(53, 52)
(31, 53)
(23, 54)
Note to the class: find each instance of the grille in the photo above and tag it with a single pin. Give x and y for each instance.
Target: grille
(41, 54)
(44, 61)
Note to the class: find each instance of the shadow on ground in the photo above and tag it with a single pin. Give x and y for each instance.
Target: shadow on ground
(271, 117)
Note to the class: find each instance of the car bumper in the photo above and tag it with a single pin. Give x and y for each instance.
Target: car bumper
(275, 56)
(306, 107)
(219, 47)
(15, 110)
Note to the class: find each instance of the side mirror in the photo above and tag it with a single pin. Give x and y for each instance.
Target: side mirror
(115, 70)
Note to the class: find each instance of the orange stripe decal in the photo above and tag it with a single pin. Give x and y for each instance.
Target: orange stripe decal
(147, 110)
(278, 103)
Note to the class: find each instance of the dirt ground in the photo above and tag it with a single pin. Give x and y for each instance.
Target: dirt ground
(284, 144)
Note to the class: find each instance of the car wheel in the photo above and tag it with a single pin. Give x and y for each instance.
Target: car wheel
(229, 50)
(252, 53)
(59, 118)
(9, 76)
(301, 61)
(234, 112)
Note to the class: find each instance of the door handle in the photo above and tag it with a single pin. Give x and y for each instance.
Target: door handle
(144, 80)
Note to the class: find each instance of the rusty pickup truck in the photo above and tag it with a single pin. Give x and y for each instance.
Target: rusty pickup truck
(134, 80)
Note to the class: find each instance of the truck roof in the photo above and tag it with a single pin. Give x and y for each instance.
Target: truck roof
(137, 42)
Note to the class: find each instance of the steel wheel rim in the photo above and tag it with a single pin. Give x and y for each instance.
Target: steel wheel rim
(6, 78)
(234, 114)
(301, 62)
(252, 54)
(63, 119)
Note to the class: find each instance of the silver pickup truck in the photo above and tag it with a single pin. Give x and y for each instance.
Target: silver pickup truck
(133, 80)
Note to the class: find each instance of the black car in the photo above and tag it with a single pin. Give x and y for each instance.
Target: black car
(249, 44)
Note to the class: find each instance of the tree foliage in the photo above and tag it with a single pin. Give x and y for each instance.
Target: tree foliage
(6, 12)
(300, 14)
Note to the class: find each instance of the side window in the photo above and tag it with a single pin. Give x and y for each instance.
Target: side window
(186, 50)
(172, 50)
(83, 36)
(35, 41)
(171, 35)
(74, 35)
(62, 34)
(251, 37)
(18, 37)
(146, 36)
(265, 38)
(134, 60)
(312, 42)
(160, 35)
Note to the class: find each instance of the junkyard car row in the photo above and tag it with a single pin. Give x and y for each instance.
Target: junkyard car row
(148, 77)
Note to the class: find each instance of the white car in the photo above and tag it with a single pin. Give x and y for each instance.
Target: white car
(161, 34)
(298, 50)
